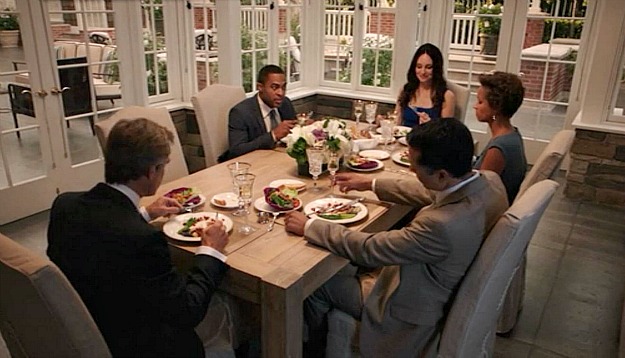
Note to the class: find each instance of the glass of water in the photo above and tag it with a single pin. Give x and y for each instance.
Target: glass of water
(237, 168)
(359, 107)
(245, 184)
(315, 162)
(387, 132)
(371, 108)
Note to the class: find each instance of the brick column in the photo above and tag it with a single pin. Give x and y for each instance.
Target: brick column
(534, 32)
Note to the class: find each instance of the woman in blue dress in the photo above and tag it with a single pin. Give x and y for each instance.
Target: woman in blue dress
(425, 96)
(498, 98)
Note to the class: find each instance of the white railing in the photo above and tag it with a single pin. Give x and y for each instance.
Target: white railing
(254, 18)
(463, 31)
(339, 23)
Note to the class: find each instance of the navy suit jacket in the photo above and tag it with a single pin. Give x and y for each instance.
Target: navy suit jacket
(246, 127)
(121, 267)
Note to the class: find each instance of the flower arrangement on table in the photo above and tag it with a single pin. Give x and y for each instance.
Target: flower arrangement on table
(329, 133)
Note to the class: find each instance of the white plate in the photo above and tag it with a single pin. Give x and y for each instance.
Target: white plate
(309, 208)
(403, 141)
(176, 223)
(397, 159)
(261, 205)
(381, 141)
(295, 182)
(374, 154)
(398, 131)
(231, 199)
(380, 166)
(202, 199)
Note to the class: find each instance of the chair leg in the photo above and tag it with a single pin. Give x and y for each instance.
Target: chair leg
(92, 125)
(19, 135)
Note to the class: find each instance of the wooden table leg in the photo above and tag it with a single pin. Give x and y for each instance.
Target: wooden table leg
(282, 314)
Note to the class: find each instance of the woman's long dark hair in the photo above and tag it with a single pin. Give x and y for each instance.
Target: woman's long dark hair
(438, 80)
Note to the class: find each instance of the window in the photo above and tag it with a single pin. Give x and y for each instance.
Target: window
(290, 16)
(205, 43)
(154, 47)
(254, 40)
(618, 101)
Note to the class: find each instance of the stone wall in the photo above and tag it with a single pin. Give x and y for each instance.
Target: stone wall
(597, 170)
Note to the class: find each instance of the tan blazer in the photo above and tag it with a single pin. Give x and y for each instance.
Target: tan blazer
(424, 261)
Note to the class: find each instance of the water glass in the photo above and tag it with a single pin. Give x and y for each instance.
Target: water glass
(245, 184)
(237, 168)
(358, 109)
(371, 108)
(315, 163)
(387, 132)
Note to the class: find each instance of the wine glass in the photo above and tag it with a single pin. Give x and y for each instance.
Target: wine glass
(245, 183)
(237, 168)
(333, 167)
(387, 132)
(370, 110)
(358, 109)
(315, 163)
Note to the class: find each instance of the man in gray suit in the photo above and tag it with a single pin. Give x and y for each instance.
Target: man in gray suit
(259, 122)
(421, 264)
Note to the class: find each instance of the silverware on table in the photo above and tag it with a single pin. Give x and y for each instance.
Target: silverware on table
(336, 208)
(273, 221)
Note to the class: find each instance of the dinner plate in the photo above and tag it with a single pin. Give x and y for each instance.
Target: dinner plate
(192, 202)
(396, 157)
(398, 131)
(231, 199)
(380, 140)
(379, 166)
(176, 223)
(403, 141)
(289, 182)
(310, 207)
(374, 154)
(261, 205)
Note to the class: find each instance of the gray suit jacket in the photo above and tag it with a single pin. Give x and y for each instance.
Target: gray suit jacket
(424, 262)
(246, 127)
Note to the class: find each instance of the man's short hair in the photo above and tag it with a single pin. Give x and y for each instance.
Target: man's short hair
(132, 147)
(445, 143)
(267, 70)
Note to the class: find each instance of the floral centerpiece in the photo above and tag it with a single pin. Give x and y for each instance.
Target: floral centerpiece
(329, 133)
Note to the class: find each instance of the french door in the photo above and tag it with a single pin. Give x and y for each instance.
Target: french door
(48, 104)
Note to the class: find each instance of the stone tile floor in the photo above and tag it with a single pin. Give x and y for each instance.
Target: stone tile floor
(575, 280)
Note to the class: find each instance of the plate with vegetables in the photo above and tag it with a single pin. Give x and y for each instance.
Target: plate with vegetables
(186, 196)
(362, 164)
(282, 199)
(401, 158)
(335, 210)
(188, 227)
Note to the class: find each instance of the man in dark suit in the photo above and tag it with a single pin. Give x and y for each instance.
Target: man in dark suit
(120, 264)
(259, 122)
(422, 263)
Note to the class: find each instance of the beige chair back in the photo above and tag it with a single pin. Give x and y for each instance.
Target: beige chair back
(177, 167)
(41, 315)
(549, 160)
(4, 351)
(462, 99)
(469, 329)
(212, 106)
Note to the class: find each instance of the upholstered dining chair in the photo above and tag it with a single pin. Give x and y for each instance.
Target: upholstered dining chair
(212, 106)
(177, 167)
(462, 99)
(41, 315)
(4, 351)
(545, 167)
(470, 326)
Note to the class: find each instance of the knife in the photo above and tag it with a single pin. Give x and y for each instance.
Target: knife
(336, 208)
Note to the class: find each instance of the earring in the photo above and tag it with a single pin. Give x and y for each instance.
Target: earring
(494, 118)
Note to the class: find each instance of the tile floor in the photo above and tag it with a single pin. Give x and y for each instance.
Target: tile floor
(575, 280)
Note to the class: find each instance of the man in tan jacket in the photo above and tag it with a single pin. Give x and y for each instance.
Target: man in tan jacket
(422, 263)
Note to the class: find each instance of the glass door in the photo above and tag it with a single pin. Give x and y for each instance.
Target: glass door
(56, 83)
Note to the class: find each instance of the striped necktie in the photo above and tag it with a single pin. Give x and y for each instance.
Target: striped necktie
(272, 117)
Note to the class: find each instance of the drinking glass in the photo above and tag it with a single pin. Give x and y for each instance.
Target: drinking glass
(358, 109)
(387, 132)
(333, 167)
(302, 118)
(245, 183)
(237, 168)
(370, 110)
(315, 163)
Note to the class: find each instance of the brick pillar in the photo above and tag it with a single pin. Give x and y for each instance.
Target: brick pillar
(534, 32)
(386, 26)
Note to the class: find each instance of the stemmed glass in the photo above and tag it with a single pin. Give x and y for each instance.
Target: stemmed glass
(315, 162)
(370, 110)
(245, 183)
(237, 168)
(333, 167)
(387, 132)
(358, 109)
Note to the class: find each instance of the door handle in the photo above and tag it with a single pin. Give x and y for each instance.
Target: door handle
(40, 93)
(55, 90)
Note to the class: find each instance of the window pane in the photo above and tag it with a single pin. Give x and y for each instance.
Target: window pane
(154, 47)
(377, 53)
(254, 28)
(618, 102)
(205, 42)
(289, 32)
(338, 39)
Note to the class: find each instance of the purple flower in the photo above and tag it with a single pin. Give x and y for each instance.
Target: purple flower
(319, 134)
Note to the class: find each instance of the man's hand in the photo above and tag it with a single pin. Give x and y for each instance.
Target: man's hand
(163, 206)
(283, 128)
(295, 222)
(215, 236)
(352, 181)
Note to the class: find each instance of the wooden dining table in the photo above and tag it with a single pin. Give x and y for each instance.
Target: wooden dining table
(275, 269)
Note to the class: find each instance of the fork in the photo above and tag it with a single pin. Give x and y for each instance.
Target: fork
(273, 221)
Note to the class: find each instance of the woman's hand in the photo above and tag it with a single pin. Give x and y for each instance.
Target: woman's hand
(423, 117)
